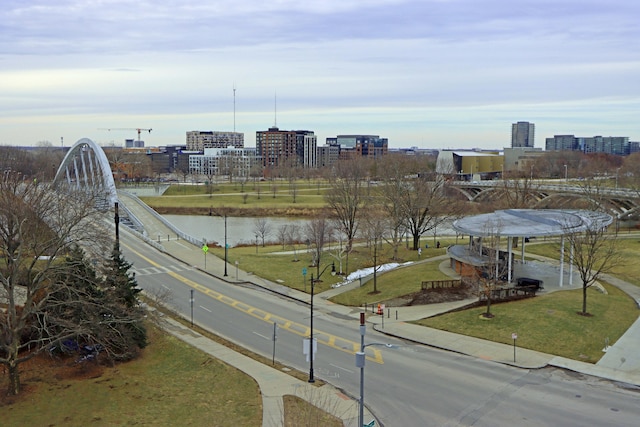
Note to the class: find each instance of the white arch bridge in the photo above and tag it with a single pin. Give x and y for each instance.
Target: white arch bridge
(86, 167)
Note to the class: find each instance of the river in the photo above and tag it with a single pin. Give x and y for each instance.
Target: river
(241, 230)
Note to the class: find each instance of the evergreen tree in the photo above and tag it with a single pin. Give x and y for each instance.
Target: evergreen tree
(119, 282)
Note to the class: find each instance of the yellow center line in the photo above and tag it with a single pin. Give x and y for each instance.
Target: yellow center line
(329, 340)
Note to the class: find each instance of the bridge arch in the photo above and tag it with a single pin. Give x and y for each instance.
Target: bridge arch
(86, 167)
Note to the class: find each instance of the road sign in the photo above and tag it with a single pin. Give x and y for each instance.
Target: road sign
(304, 271)
(514, 336)
(371, 424)
(205, 248)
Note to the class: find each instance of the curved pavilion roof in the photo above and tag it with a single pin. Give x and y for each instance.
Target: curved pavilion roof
(531, 222)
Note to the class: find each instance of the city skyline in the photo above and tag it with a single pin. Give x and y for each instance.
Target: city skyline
(433, 74)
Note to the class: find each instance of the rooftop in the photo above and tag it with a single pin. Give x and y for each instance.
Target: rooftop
(531, 222)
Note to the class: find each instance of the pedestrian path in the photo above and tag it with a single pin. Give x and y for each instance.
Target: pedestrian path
(620, 363)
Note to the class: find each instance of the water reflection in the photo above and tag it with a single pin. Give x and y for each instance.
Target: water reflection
(241, 230)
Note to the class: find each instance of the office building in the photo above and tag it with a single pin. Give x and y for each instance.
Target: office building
(352, 146)
(618, 145)
(199, 140)
(522, 134)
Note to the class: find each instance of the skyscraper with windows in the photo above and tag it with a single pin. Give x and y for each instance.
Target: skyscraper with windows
(522, 134)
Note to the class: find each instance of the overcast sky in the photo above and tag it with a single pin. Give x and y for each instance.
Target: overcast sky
(427, 73)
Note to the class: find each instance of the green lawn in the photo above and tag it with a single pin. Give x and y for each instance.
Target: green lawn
(549, 323)
(628, 245)
(270, 264)
(263, 195)
(394, 283)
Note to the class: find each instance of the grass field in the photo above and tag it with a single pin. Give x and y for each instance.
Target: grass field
(171, 384)
(271, 263)
(549, 323)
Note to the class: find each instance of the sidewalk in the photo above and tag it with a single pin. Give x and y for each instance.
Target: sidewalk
(273, 383)
(621, 362)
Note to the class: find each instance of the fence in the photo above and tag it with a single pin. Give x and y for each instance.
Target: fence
(435, 284)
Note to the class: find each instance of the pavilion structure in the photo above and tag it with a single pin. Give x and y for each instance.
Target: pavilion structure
(516, 225)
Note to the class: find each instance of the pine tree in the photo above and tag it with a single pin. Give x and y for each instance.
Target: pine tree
(122, 285)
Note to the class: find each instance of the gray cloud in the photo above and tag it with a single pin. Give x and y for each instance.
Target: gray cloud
(392, 63)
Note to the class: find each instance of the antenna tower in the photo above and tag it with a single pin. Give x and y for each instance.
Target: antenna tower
(275, 110)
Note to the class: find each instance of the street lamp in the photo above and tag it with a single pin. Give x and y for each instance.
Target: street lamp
(333, 273)
(360, 358)
(226, 246)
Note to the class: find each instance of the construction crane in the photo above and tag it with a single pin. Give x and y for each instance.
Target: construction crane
(139, 130)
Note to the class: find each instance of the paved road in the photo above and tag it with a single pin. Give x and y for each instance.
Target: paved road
(414, 386)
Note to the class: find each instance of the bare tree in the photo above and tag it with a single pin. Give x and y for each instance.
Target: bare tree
(37, 227)
(517, 191)
(390, 194)
(293, 190)
(425, 205)
(593, 253)
(339, 250)
(318, 232)
(209, 166)
(261, 228)
(283, 234)
(293, 236)
(375, 229)
(346, 197)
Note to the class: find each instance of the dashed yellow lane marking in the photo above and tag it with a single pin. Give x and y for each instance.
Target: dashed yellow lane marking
(329, 340)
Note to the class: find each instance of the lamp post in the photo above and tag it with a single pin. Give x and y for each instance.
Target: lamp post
(360, 358)
(226, 246)
(333, 272)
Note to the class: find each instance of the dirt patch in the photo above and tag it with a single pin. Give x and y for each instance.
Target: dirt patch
(435, 296)
(46, 371)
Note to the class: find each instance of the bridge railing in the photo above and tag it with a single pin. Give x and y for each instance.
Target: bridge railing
(176, 230)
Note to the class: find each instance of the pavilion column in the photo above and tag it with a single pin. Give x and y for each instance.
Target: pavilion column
(571, 265)
(509, 266)
(522, 250)
(497, 258)
(561, 260)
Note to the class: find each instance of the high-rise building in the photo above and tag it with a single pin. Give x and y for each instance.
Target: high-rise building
(522, 134)
(310, 151)
(199, 140)
(276, 146)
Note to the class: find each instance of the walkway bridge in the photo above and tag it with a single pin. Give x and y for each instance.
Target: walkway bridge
(622, 203)
(86, 167)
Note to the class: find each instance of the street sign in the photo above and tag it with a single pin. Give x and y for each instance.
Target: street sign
(205, 248)
(514, 336)
(371, 424)
(304, 271)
